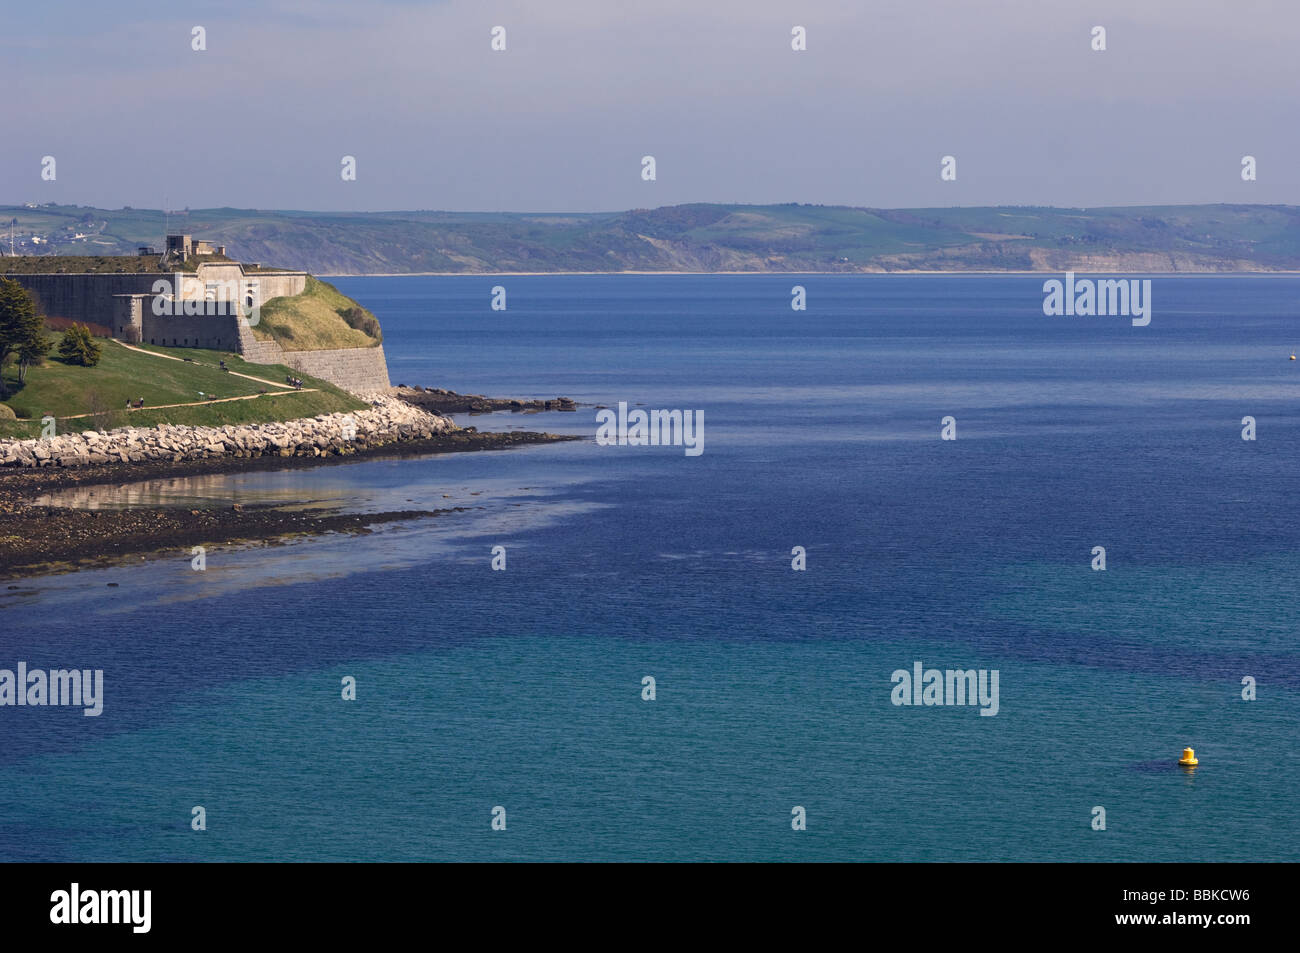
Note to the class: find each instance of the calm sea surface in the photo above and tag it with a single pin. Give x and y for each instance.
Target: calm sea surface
(522, 689)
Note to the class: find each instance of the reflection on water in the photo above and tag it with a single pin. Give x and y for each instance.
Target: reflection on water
(367, 486)
(498, 495)
(205, 490)
(233, 568)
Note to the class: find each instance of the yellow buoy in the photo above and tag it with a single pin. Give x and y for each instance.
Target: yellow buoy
(1293, 357)
(1188, 760)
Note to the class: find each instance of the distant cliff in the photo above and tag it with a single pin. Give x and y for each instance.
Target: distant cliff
(706, 238)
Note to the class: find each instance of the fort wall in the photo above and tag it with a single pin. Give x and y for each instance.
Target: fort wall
(88, 298)
(85, 298)
(125, 302)
(361, 370)
(215, 332)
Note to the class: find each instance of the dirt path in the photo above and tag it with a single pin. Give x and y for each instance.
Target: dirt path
(202, 403)
(281, 389)
(169, 357)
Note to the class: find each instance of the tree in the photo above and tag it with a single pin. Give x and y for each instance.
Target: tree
(33, 352)
(22, 329)
(78, 347)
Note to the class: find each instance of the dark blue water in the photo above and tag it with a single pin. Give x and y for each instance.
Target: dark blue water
(522, 688)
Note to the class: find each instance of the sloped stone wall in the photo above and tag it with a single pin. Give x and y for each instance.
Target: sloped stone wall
(361, 370)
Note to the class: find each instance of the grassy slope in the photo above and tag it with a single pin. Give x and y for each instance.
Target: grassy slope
(311, 320)
(62, 390)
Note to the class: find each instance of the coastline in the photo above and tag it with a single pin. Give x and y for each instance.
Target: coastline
(38, 540)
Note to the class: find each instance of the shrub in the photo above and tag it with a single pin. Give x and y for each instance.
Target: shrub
(361, 320)
(78, 347)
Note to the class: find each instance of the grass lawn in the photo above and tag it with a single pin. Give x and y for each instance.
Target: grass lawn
(63, 390)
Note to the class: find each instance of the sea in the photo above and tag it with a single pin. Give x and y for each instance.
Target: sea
(697, 657)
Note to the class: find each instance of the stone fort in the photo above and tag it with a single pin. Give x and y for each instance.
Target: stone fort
(206, 300)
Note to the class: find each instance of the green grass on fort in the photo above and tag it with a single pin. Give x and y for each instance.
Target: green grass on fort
(64, 390)
(317, 319)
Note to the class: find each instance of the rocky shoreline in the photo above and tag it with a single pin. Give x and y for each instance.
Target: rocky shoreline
(439, 401)
(37, 539)
(388, 420)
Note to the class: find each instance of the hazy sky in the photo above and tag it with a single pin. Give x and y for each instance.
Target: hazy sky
(711, 88)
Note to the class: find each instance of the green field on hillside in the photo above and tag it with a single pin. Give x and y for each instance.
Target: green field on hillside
(64, 390)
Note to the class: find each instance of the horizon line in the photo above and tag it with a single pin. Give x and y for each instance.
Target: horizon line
(619, 211)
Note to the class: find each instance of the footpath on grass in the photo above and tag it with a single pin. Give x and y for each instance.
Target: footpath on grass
(280, 388)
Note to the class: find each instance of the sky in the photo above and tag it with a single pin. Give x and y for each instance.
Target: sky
(560, 120)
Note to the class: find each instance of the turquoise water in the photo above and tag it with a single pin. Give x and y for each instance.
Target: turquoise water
(522, 688)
